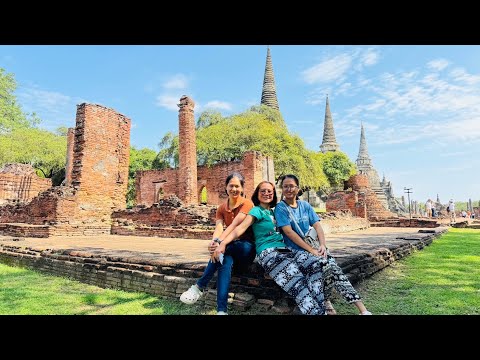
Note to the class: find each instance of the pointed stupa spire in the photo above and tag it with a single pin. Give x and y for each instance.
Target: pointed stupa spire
(363, 159)
(329, 142)
(269, 94)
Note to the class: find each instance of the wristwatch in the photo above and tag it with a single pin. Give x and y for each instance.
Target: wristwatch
(217, 240)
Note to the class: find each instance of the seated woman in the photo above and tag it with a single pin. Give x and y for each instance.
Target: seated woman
(297, 272)
(294, 217)
(241, 252)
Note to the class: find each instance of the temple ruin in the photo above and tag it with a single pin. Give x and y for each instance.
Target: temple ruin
(97, 173)
(19, 184)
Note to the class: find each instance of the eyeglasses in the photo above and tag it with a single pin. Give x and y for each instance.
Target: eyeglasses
(265, 191)
(290, 187)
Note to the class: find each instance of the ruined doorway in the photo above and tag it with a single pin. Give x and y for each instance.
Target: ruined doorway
(203, 196)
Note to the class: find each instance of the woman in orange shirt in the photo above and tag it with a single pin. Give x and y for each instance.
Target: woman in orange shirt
(241, 251)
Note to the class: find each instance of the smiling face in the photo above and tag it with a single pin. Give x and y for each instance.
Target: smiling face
(289, 188)
(265, 193)
(234, 188)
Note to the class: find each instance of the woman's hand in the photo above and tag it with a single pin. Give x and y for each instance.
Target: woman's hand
(321, 251)
(212, 246)
(220, 249)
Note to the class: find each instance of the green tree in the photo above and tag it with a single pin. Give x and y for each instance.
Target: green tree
(338, 168)
(208, 118)
(42, 149)
(227, 139)
(11, 115)
(142, 159)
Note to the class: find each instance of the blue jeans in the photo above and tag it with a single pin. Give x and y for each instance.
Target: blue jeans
(240, 251)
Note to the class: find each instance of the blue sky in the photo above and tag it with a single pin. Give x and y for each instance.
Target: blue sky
(420, 105)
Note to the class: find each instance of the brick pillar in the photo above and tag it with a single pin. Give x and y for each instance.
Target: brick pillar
(187, 147)
(100, 160)
(69, 166)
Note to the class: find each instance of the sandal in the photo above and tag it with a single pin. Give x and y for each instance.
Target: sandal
(329, 308)
(191, 295)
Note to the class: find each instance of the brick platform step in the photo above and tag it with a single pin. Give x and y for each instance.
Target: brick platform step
(25, 230)
(183, 232)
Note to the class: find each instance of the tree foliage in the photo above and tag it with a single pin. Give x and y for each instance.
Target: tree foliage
(338, 168)
(11, 115)
(42, 149)
(140, 159)
(262, 129)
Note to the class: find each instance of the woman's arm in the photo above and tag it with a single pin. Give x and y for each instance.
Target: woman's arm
(321, 238)
(292, 235)
(234, 234)
(237, 221)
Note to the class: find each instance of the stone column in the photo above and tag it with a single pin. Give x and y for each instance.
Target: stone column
(187, 148)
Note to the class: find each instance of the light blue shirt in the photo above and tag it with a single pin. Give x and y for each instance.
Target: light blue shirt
(304, 215)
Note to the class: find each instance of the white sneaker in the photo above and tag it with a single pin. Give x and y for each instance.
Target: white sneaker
(366, 312)
(221, 313)
(191, 295)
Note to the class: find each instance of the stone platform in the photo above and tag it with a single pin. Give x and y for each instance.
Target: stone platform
(166, 267)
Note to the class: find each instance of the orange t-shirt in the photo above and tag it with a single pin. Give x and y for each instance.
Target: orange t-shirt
(227, 215)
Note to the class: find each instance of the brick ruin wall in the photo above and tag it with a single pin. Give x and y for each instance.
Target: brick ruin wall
(170, 218)
(99, 178)
(21, 188)
(254, 167)
(360, 200)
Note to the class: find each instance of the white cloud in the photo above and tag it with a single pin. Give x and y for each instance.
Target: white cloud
(438, 64)
(54, 109)
(428, 107)
(216, 104)
(178, 81)
(370, 57)
(328, 70)
(168, 101)
(461, 75)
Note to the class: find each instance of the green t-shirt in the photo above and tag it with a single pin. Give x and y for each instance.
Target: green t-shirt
(264, 229)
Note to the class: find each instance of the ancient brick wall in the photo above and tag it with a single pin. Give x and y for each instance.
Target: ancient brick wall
(347, 200)
(254, 167)
(101, 159)
(41, 210)
(99, 178)
(69, 163)
(359, 199)
(169, 218)
(21, 188)
(187, 148)
(150, 185)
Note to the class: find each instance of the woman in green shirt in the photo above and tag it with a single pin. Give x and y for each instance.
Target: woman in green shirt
(299, 273)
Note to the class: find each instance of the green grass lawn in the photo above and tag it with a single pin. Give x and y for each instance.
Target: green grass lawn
(24, 291)
(443, 278)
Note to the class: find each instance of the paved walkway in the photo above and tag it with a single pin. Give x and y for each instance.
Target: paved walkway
(175, 251)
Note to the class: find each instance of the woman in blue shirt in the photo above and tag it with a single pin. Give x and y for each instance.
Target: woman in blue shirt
(294, 217)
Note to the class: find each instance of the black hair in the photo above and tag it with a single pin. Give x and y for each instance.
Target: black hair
(239, 177)
(289, 176)
(255, 199)
(294, 178)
